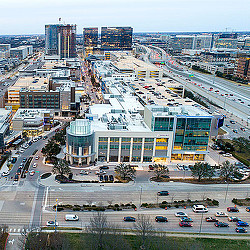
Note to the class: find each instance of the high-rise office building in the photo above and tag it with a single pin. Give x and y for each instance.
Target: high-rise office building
(116, 38)
(60, 40)
(90, 37)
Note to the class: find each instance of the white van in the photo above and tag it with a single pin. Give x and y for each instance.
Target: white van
(71, 217)
(200, 209)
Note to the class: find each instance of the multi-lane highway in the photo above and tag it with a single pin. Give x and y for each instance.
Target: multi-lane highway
(233, 97)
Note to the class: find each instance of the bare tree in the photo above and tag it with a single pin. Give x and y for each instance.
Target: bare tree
(229, 171)
(110, 202)
(104, 235)
(172, 197)
(90, 202)
(144, 229)
(98, 228)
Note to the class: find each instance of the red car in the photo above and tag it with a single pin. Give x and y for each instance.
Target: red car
(233, 209)
(185, 224)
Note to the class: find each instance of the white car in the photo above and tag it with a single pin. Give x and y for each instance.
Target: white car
(35, 165)
(84, 172)
(181, 214)
(5, 173)
(227, 155)
(221, 214)
(32, 172)
(51, 223)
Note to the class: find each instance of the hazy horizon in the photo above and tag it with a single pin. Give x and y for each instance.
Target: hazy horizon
(28, 17)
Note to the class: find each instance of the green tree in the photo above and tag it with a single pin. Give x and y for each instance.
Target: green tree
(61, 167)
(125, 171)
(60, 138)
(202, 170)
(242, 144)
(160, 170)
(229, 171)
(51, 149)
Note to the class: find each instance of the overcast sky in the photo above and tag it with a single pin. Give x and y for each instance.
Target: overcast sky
(30, 16)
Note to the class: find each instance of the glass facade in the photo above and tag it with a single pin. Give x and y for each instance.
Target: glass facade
(192, 134)
(90, 37)
(163, 124)
(116, 38)
(80, 145)
(51, 39)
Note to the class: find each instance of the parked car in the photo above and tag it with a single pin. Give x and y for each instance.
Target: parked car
(5, 173)
(103, 167)
(32, 172)
(240, 230)
(101, 177)
(227, 155)
(16, 178)
(163, 193)
(35, 165)
(151, 167)
(233, 209)
(185, 224)
(129, 218)
(211, 219)
(221, 224)
(84, 172)
(233, 219)
(161, 219)
(106, 178)
(221, 214)
(37, 157)
(248, 209)
(181, 214)
(111, 177)
(242, 224)
(24, 159)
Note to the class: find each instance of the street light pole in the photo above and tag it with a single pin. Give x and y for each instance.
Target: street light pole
(56, 213)
(226, 192)
(201, 222)
(140, 196)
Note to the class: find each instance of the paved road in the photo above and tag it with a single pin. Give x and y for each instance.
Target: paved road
(230, 103)
(172, 225)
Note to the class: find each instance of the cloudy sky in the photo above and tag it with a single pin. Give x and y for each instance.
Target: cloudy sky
(30, 16)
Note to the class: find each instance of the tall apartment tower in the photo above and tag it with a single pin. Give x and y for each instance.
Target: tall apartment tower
(60, 40)
(116, 38)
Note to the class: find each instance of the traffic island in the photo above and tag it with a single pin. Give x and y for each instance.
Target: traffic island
(89, 207)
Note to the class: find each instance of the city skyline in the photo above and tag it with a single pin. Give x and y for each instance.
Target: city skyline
(144, 16)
